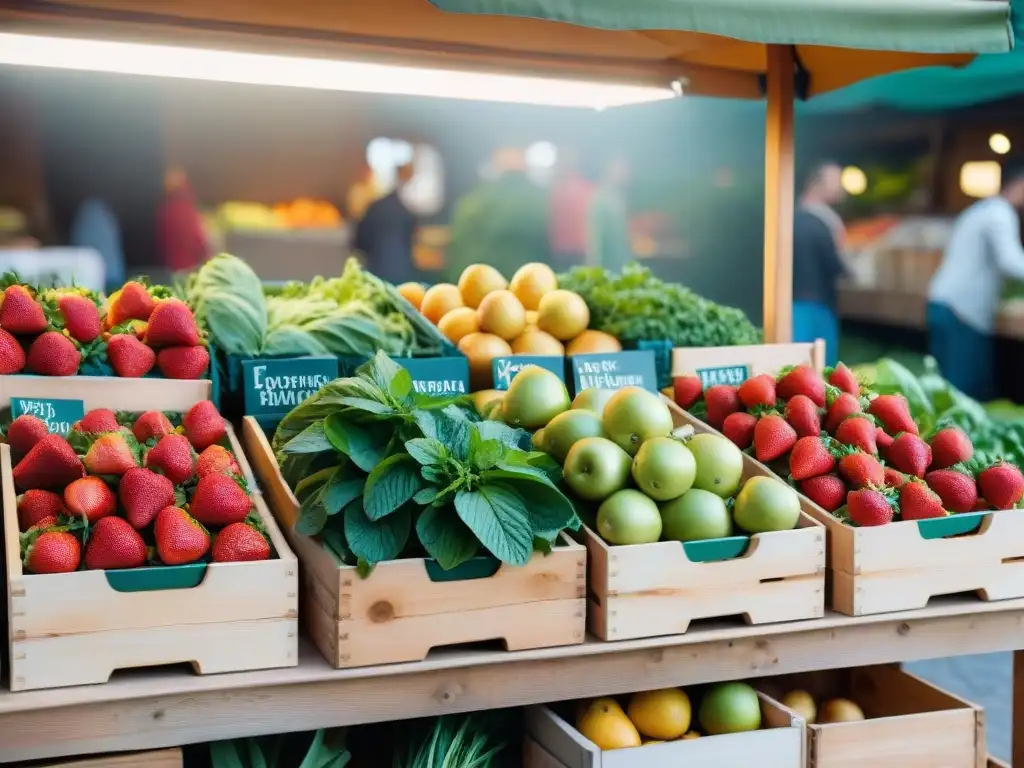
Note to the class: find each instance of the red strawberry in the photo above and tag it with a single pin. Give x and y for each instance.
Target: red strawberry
(172, 324)
(802, 380)
(44, 524)
(759, 390)
(857, 431)
(52, 463)
(131, 302)
(97, 421)
(203, 424)
(37, 505)
(20, 313)
(143, 493)
(739, 427)
(114, 544)
(91, 498)
(12, 356)
(827, 491)
(861, 469)
(721, 400)
(809, 458)
(218, 459)
(219, 500)
(53, 354)
(129, 357)
(950, 446)
(172, 456)
(981, 505)
(894, 413)
(151, 424)
(773, 437)
(180, 538)
(687, 390)
(909, 454)
(894, 478)
(53, 552)
(24, 432)
(112, 454)
(802, 415)
(958, 491)
(239, 542)
(868, 507)
(843, 378)
(183, 362)
(81, 317)
(882, 439)
(919, 502)
(842, 407)
(1002, 485)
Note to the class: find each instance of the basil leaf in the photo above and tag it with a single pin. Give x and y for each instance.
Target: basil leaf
(513, 437)
(376, 541)
(445, 537)
(333, 538)
(312, 515)
(435, 474)
(366, 447)
(367, 405)
(521, 464)
(427, 450)
(341, 491)
(391, 484)
(425, 496)
(313, 483)
(312, 439)
(485, 454)
(381, 370)
(500, 519)
(401, 385)
(549, 509)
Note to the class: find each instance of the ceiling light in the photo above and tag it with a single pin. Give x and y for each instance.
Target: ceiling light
(999, 144)
(981, 178)
(853, 180)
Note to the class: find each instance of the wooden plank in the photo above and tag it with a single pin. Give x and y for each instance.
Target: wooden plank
(779, 196)
(757, 358)
(162, 758)
(132, 395)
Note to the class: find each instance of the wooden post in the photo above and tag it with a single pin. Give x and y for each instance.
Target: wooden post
(1017, 731)
(778, 197)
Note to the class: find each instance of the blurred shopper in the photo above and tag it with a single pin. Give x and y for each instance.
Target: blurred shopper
(818, 234)
(363, 193)
(95, 226)
(386, 234)
(608, 243)
(983, 248)
(571, 196)
(180, 235)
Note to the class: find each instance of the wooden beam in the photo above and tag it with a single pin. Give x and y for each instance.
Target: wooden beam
(778, 197)
(1017, 731)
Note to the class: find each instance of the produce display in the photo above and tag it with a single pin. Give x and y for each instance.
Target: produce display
(835, 710)
(126, 491)
(300, 213)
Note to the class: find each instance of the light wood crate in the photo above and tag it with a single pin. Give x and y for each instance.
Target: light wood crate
(399, 613)
(131, 395)
(76, 628)
(552, 742)
(157, 758)
(910, 723)
(755, 358)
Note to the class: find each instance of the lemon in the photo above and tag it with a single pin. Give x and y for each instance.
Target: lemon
(663, 714)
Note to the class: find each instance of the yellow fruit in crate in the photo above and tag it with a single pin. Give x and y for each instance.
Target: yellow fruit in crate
(802, 703)
(690, 735)
(477, 280)
(648, 742)
(531, 318)
(501, 313)
(485, 399)
(592, 343)
(607, 726)
(563, 314)
(413, 293)
(531, 282)
(480, 349)
(535, 342)
(603, 703)
(839, 711)
(439, 300)
(458, 323)
(664, 714)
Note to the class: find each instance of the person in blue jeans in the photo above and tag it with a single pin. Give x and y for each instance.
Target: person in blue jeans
(963, 296)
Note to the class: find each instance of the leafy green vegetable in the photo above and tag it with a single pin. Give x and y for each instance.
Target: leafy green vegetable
(316, 749)
(227, 297)
(454, 741)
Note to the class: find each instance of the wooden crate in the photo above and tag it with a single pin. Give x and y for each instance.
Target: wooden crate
(910, 722)
(157, 758)
(552, 742)
(131, 395)
(400, 612)
(77, 628)
(742, 362)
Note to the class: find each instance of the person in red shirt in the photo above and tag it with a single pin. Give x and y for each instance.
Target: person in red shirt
(180, 236)
(571, 196)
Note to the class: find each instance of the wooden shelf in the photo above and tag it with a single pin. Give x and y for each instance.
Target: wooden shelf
(149, 709)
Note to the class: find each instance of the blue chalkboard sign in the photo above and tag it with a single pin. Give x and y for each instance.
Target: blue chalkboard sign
(614, 370)
(274, 386)
(438, 376)
(506, 368)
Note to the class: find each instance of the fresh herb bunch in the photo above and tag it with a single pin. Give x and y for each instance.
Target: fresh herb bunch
(455, 741)
(637, 306)
(371, 461)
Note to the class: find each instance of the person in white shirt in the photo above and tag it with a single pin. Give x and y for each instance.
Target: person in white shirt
(963, 296)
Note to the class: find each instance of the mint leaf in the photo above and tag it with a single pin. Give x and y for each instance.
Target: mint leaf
(427, 450)
(359, 388)
(523, 464)
(401, 385)
(381, 370)
(376, 541)
(312, 515)
(435, 474)
(341, 491)
(549, 509)
(445, 537)
(391, 484)
(333, 539)
(500, 519)
(312, 439)
(425, 496)
(366, 447)
(367, 405)
(513, 437)
(484, 454)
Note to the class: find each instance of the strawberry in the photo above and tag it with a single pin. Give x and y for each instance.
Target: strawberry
(218, 459)
(44, 524)
(81, 317)
(739, 427)
(958, 491)
(857, 431)
(53, 354)
(802, 415)
(129, 357)
(112, 454)
(950, 446)
(143, 493)
(114, 544)
(97, 421)
(981, 505)
(809, 458)
(203, 424)
(919, 502)
(882, 439)
(36, 505)
(773, 437)
(802, 380)
(151, 424)
(12, 356)
(220, 500)
(91, 498)
(180, 538)
(909, 454)
(827, 491)
(894, 478)
(861, 469)
(53, 551)
(173, 457)
(52, 463)
(844, 379)
(172, 324)
(687, 390)
(894, 413)
(24, 432)
(131, 302)
(240, 542)
(721, 400)
(183, 362)
(20, 313)
(868, 506)
(1002, 485)
(759, 390)
(840, 408)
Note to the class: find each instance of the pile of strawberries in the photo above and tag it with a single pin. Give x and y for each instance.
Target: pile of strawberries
(57, 332)
(857, 454)
(117, 482)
